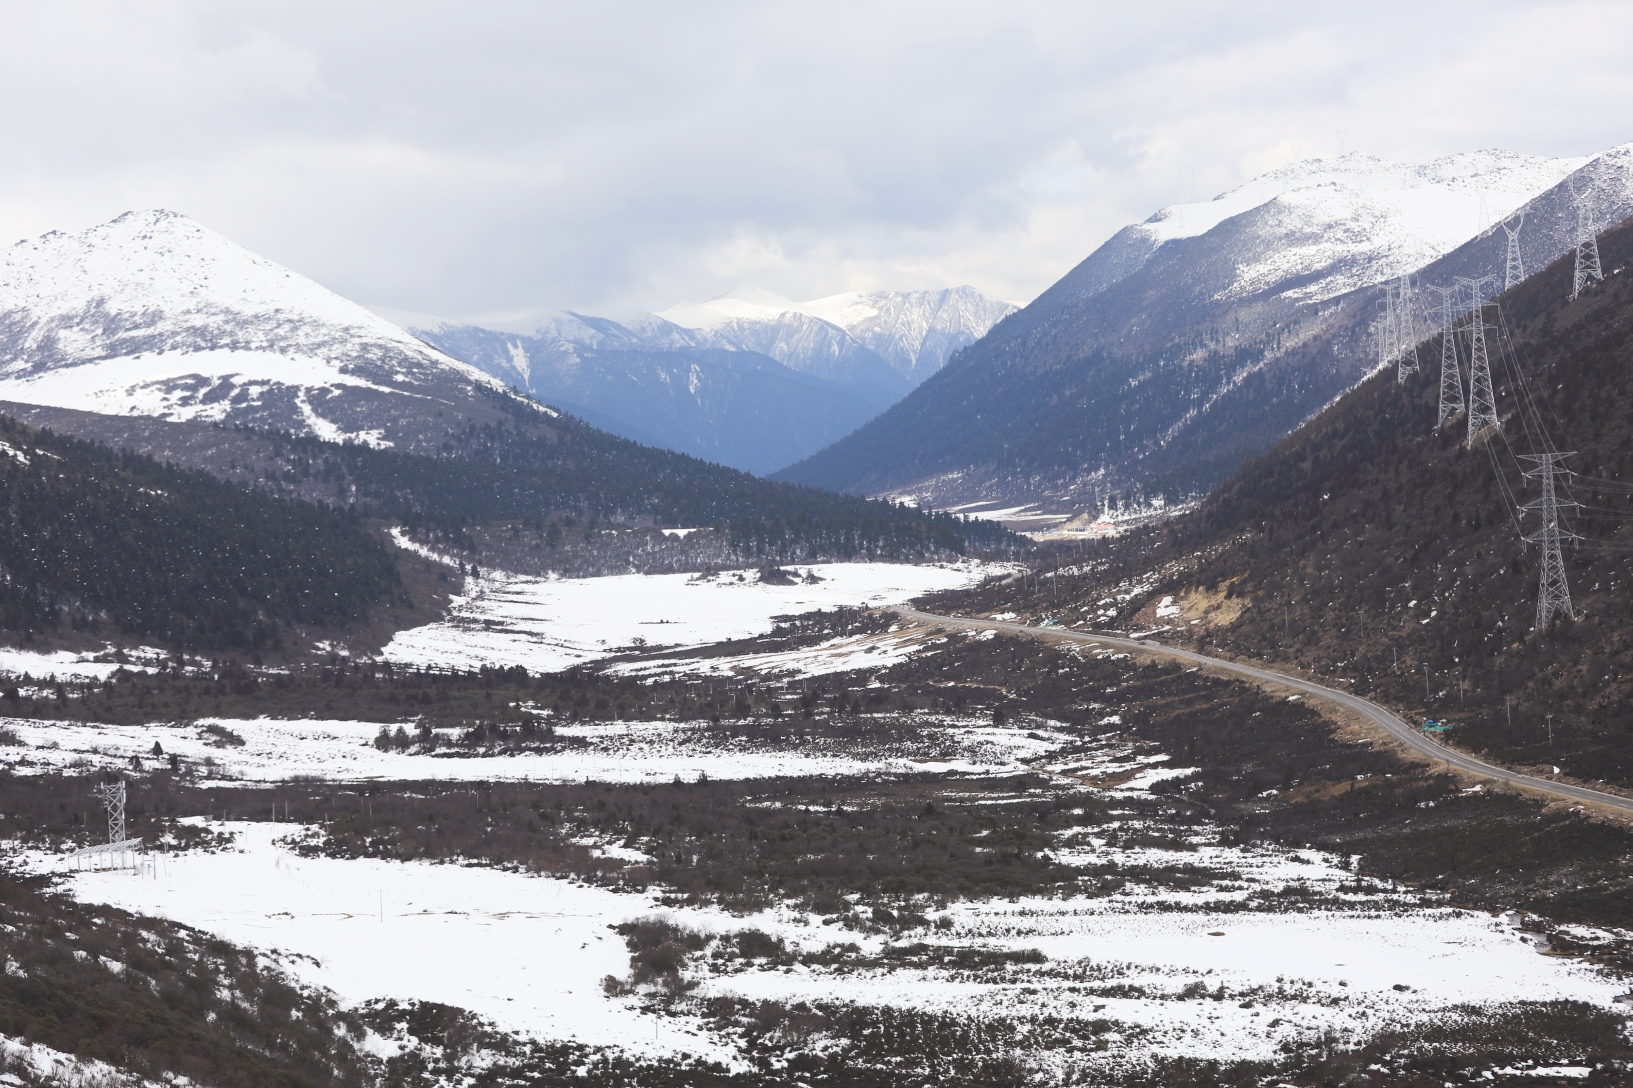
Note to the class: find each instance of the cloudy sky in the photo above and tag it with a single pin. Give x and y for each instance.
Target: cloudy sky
(488, 160)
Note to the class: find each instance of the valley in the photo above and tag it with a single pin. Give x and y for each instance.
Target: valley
(474, 736)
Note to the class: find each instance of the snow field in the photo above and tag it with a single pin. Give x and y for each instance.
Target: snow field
(527, 952)
(530, 952)
(277, 750)
(548, 624)
(843, 654)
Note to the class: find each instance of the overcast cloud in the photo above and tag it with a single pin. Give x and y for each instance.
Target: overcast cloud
(485, 160)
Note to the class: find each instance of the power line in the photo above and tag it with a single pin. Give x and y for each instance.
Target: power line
(1514, 268)
(1553, 591)
(1482, 398)
(1587, 246)
(1451, 372)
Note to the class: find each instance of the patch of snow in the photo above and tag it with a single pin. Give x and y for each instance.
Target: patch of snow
(547, 624)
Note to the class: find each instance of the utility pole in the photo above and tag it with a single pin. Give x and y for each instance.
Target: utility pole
(1482, 397)
(1514, 268)
(1426, 680)
(1553, 592)
(1587, 246)
(1451, 370)
(1550, 730)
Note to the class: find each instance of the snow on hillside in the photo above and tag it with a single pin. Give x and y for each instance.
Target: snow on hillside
(915, 332)
(153, 314)
(1357, 219)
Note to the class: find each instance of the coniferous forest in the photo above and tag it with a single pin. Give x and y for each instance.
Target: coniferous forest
(117, 543)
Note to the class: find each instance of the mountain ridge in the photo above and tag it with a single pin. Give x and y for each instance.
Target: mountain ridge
(1156, 373)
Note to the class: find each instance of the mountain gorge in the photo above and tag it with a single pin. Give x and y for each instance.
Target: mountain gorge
(749, 379)
(1191, 342)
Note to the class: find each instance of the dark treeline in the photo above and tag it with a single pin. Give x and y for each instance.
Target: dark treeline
(117, 543)
(493, 473)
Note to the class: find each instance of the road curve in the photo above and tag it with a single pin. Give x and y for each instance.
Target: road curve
(1372, 711)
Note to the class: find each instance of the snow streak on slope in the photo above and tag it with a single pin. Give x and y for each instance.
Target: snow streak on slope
(152, 314)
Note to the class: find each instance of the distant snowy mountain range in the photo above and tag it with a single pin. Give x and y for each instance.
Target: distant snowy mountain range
(1201, 336)
(749, 379)
(151, 314)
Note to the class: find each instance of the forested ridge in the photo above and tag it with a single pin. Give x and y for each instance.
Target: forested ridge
(1375, 550)
(571, 469)
(108, 542)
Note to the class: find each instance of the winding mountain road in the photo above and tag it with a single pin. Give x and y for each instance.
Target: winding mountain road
(1384, 719)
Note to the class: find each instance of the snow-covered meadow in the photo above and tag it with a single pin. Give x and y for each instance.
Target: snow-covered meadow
(1225, 972)
(546, 624)
(277, 750)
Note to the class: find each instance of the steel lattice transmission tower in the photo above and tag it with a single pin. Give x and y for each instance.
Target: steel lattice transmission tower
(1451, 370)
(1482, 404)
(1553, 592)
(1514, 268)
(1587, 246)
(1396, 330)
(112, 795)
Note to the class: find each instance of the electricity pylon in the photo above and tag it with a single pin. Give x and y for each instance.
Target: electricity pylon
(1553, 591)
(112, 795)
(1451, 371)
(1587, 246)
(1406, 358)
(1482, 397)
(1514, 269)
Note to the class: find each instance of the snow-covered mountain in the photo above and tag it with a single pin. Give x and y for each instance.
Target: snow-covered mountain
(152, 314)
(1206, 333)
(749, 379)
(913, 332)
(667, 386)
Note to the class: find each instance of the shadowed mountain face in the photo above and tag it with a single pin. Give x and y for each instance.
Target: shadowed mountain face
(1376, 547)
(749, 379)
(1197, 339)
(668, 388)
(152, 314)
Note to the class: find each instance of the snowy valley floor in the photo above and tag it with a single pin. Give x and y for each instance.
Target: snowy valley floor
(885, 856)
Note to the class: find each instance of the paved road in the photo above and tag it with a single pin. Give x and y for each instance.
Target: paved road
(1372, 711)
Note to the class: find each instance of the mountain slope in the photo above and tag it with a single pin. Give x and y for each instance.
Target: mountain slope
(912, 332)
(750, 379)
(105, 542)
(1194, 340)
(665, 388)
(152, 314)
(1383, 553)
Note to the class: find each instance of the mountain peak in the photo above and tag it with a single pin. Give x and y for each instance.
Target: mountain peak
(152, 313)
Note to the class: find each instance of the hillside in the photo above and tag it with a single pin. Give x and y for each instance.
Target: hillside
(1373, 548)
(529, 483)
(117, 544)
(733, 407)
(152, 314)
(1191, 342)
(749, 379)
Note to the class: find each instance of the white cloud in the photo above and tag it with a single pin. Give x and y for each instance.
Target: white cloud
(483, 158)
